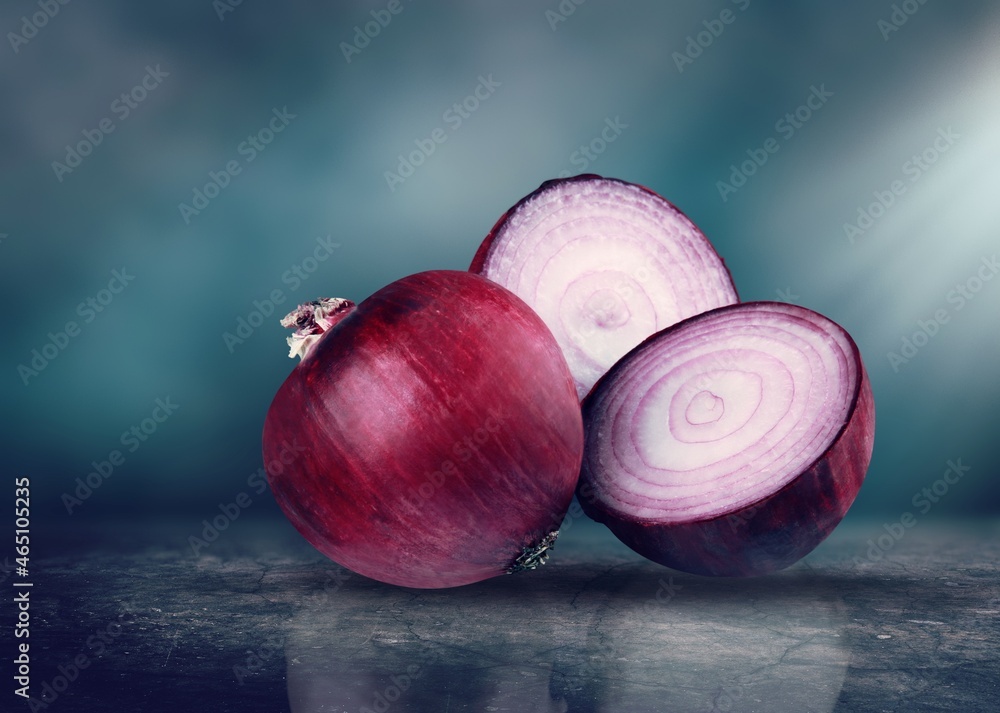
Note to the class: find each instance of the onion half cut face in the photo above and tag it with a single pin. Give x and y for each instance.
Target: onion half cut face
(731, 443)
(605, 264)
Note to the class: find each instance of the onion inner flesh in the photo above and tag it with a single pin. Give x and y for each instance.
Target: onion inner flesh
(605, 264)
(720, 412)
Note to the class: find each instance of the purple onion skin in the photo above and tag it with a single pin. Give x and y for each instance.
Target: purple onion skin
(766, 536)
(391, 395)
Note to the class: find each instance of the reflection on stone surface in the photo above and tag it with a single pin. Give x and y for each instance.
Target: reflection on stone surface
(259, 621)
(590, 631)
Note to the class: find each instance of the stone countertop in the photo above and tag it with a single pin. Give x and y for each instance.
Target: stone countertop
(125, 616)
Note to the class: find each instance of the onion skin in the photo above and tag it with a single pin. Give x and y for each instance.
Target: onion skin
(439, 432)
(767, 535)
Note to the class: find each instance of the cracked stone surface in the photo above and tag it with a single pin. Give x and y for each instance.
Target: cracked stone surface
(259, 621)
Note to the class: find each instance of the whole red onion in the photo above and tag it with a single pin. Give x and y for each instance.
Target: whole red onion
(731, 443)
(605, 263)
(430, 436)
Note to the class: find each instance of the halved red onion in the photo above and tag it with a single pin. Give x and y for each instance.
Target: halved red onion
(732, 443)
(430, 436)
(606, 264)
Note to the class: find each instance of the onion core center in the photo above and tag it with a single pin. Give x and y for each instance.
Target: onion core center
(704, 408)
(607, 308)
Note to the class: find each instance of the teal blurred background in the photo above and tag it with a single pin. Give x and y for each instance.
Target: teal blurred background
(676, 96)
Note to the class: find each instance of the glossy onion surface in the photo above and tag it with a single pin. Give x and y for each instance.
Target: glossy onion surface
(431, 438)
